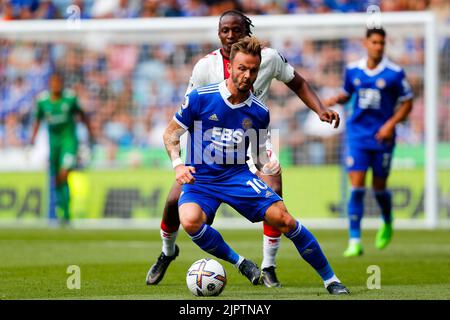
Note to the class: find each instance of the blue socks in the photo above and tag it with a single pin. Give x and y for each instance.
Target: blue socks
(384, 199)
(310, 250)
(210, 240)
(356, 211)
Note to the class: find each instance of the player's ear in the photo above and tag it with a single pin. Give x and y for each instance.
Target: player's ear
(229, 67)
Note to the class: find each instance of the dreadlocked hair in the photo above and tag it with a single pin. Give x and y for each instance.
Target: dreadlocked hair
(246, 20)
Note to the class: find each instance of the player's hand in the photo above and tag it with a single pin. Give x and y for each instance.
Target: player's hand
(271, 168)
(183, 174)
(385, 133)
(330, 116)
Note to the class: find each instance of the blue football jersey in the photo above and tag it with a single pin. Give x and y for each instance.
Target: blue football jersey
(376, 94)
(220, 132)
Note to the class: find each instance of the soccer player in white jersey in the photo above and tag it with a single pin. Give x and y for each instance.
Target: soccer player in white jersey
(383, 98)
(233, 25)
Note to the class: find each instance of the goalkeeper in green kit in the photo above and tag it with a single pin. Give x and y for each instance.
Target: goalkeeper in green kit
(59, 108)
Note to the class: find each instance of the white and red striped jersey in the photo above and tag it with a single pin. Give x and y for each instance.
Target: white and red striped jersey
(213, 69)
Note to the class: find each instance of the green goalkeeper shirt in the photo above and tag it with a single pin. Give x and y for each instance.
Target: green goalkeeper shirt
(60, 117)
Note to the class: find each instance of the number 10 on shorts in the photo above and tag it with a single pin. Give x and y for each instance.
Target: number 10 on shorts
(257, 185)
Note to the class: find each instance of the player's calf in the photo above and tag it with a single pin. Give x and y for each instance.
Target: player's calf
(170, 224)
(170, 214)
(210, 240)
(305, 242)
(271, 238)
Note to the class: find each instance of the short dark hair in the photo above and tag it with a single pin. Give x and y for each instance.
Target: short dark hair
(245, 20)
(247, 45)
(371, 31)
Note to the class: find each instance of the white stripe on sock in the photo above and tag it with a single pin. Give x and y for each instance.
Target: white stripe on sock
(270, 249)
(237, 264)
(168, 242)
(331, 280)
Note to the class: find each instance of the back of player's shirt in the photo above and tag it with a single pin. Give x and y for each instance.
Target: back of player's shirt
(59, 115)
(220, 132)
(376, 94)
(213, 69)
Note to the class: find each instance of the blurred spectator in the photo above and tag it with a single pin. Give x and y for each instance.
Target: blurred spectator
(442, 10)
(54, 9)
(6, 10)
(46, 10)
(24, 9)
(119, 129)
(170, 8)
(126, 9)
(12, 134)
(150, 9)
(195, 8)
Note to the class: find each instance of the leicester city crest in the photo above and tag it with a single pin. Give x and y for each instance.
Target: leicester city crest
(247, 123)
(381, 83)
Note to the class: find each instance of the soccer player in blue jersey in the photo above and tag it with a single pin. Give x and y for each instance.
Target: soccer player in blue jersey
(382, 98)
(234, 25)
(225, 120)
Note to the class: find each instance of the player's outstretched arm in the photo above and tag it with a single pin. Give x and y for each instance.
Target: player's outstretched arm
(171, 137)
(386, 132)
(304, 91)
(34, 131)
(341, 98)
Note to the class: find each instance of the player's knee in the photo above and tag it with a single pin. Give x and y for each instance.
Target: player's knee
(190, 226)
(286, 222)
(289, 224)
(191, 223)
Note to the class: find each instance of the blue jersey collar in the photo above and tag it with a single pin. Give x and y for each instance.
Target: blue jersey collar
(225, 93)
(380, 67)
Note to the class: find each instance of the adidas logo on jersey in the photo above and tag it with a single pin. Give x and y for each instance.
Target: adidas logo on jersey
(213, 117)
(268, 193)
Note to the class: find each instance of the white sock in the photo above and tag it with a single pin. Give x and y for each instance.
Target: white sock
(332, 279)
(237, 264)
(168, 242)
(354, 241)
(270, 249)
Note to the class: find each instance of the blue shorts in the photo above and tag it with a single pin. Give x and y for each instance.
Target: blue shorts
(243, 191)
(360, 159)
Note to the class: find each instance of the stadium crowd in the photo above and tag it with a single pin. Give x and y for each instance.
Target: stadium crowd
(130, 91)
(94, 9)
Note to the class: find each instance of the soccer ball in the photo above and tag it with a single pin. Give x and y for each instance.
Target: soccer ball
(206, 277)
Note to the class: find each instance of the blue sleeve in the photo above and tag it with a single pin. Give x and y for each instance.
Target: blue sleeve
(185, 117)
(403, 87)
(348, 82)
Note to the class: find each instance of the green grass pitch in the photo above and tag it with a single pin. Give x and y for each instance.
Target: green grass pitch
(114, 263)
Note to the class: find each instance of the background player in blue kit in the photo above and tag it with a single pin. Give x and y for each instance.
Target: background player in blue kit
(224, 120)
(378, 86)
